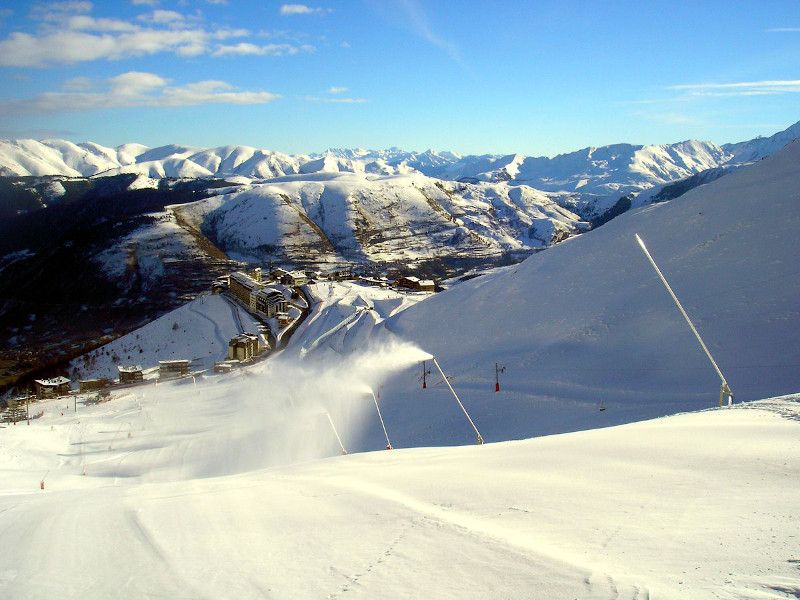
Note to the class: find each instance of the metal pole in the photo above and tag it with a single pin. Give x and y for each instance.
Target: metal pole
(388, 443)
(725, 390)
(336, 433)
(480, 439)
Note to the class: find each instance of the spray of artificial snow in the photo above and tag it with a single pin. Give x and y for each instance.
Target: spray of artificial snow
(284, 410)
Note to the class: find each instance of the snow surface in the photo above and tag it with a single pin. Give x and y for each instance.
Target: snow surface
(198, 331)
(179, 499)
(234, 485)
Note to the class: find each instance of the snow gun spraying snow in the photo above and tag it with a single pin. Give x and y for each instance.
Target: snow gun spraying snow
(725, 393)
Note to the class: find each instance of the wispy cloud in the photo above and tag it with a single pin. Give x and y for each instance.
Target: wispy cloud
(135, 89)
(784, 30)
(78, 84)
(337, 90)
(421, 25)
(300, 9)
(743, 88)
(55, 11)
(336, 100)
(245, 48)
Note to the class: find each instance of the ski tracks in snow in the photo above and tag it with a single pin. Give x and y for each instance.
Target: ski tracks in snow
(217, 331)
(549, 562)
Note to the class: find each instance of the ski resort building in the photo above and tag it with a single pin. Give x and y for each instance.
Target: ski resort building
(171, 369)
(268, 302)
(294, 278)
(415, 283)
(50, 388)
(243, 347)
(242, 286)
(131, 374)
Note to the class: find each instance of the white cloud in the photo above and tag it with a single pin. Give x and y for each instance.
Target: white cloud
(337, 90)
(81, 38)
(336, 100)
(206, 92)
(86, 23)
(245, 48)
(299, 9)
(144, 2)
(56, 11)
(137, 89)
(743, 88)
(224, 33)
(163, 17)
(78, 84)
(784, 30)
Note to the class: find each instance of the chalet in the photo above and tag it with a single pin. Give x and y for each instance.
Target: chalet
(50, 388)
(269, 302)
(171, 369)
(243, 347)
(415, 283)
(130, 374)
(242, 286)
(277, 273)
(294, 278)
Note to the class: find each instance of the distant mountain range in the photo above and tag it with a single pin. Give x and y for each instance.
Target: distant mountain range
(614, 170)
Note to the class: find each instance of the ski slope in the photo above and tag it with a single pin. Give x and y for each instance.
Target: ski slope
(179, 500)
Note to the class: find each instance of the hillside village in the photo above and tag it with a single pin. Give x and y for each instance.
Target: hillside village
(276, 301)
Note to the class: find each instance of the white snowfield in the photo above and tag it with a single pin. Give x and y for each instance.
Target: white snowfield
(178, 501)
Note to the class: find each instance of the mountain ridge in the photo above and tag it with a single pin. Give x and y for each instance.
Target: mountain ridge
(615, 169)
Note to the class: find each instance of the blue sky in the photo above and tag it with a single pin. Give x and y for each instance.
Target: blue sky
(538, 78)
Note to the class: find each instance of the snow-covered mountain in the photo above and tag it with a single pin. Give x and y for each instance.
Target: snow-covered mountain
(589, 315)
(609, 170)
(333, 217)
(761, 147)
